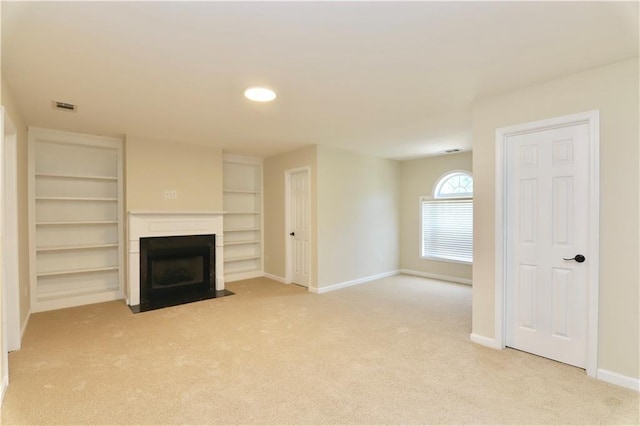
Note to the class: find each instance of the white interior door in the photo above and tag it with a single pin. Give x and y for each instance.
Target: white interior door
(299, 226)
(547, 219)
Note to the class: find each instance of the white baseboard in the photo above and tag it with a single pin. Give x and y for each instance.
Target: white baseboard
(344, 284)
(4, 386)
(484, 341)
(618, 379)
(436, 276)
(275, 278)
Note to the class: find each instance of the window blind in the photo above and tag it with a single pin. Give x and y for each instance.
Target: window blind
(447, 229)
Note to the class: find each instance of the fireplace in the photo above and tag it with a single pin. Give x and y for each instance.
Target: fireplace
(174, 258)
(177, 269)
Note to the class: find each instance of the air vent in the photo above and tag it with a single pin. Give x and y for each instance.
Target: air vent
(64, 106)
(451, 151)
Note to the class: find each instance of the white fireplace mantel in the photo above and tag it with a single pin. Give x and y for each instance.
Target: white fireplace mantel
(168, 224)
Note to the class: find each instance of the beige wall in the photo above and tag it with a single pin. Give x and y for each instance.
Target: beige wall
(358, 216)
(418, 178)
(152, 167)
(274, 233)
(614, 91)
(23, 223)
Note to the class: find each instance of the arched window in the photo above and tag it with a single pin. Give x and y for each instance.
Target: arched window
(456, 184)
(447, 219)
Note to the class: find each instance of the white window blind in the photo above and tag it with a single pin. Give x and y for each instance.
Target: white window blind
(447, 229)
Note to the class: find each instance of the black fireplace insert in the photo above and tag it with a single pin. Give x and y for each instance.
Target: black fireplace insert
(176, 270)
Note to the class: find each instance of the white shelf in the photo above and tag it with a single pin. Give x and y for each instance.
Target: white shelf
(78, 247)
(74, 199)
(75, 219)
(230, 271)
(242, 201)
(235, 243)
(241, 258)
(241, 229)
(77, 177)
(77, 271)
(78, 222)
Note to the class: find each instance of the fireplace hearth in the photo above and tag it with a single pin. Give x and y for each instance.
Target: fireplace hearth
(177, 269)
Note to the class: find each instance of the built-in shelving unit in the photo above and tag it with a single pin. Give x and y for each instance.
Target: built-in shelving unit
(76, 219)
(242, 181)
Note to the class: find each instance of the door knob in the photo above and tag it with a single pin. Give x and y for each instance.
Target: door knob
(578, 258)
(292, 233)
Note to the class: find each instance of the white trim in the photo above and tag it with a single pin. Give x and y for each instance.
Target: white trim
(618, 379)
(239, 276)
(75, 138)
(485, 341)
(592, 119)
(350, 283)
(436, 276)
(165, 225)
(287, 222)
(439, 259)
(4, 386)
(276, 278)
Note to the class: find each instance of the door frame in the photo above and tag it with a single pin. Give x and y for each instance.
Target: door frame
(8, 253)
(288, 264)
(592, 119)
(11, 284)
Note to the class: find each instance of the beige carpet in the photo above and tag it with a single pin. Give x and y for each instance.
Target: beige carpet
(394, 351)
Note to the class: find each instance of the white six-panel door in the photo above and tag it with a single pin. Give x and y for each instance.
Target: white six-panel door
(547, 217)
(300, 227)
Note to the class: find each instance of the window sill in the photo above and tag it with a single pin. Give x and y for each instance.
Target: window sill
(440, 259)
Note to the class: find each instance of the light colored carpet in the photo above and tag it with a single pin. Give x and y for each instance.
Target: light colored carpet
(394, 351)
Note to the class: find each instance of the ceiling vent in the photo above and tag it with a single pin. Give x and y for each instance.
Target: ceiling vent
(451, 151)
(63, 106)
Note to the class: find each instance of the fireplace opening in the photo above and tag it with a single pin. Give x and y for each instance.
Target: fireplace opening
(176, 270)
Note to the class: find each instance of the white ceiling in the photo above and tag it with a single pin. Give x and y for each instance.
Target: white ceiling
(392, 79)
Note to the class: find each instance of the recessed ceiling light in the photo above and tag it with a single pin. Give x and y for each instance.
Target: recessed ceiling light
(260, 94)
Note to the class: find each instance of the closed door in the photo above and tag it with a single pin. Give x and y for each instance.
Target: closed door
(547, 188)
(299, 227)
